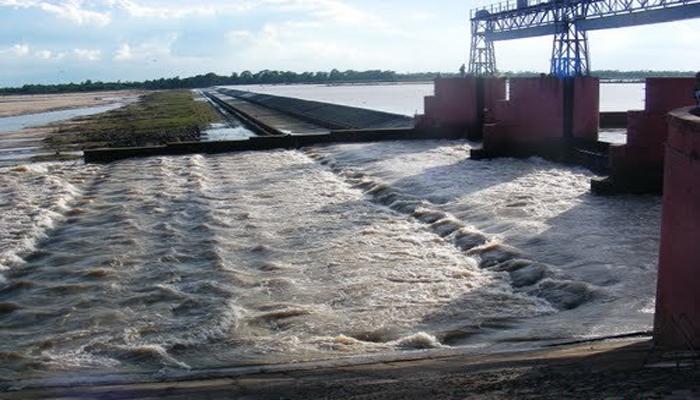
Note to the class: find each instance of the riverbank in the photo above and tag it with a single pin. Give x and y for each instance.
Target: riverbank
(611, 369)
(26, 120)
(157, 118)
(16, 105)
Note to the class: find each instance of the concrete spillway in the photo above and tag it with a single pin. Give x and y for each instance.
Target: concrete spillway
(327, 115)
(287, 123)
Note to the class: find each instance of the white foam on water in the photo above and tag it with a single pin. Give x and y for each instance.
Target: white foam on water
(33, 199)
(420, 340)
(595, 254)
(76, 360)
(207, 261)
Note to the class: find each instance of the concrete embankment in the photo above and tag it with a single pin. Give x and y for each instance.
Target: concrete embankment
(266, 143)
(331, 116)
(250, 122)
(350, 124)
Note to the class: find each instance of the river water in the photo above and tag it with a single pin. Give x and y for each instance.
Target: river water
(407, 99)
(176, 263)
(16, 123)
(173, 263)
(21, 137)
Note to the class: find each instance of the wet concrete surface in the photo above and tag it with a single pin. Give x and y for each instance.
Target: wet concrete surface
(613, 369)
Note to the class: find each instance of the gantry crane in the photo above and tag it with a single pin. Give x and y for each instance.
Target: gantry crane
(568, 21)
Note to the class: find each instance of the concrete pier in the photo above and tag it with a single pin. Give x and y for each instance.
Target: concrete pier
(544, 117)
(637, 167)
(677, 320)
(460, 104)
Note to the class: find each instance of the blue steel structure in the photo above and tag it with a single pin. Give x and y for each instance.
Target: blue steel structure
(569, 21)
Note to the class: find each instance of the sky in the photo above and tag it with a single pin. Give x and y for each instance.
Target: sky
(51, 41)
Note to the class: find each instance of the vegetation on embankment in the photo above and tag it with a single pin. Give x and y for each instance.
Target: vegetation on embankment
(157, 118)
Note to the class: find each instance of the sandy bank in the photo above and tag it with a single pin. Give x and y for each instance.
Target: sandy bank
(32, 104)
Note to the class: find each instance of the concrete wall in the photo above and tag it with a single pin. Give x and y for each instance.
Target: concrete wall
(641, 159)
(459, 104)
(332, 116)
(533, 120)
(586, 108)
(677, 321)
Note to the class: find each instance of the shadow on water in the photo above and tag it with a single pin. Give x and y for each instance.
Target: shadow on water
(593, 259)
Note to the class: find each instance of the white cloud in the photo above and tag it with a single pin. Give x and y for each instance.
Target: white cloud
(72, 10)
(24, 51)
(20, 50)
(329, 10)
(291, 47)
(123, 53)
(17, 50)
(240, 35)
(151, 50)
(138, 10)
(18, 3)
(87, 54)
(76, 11)
(99, 13)
(44, 54)
(337, 11)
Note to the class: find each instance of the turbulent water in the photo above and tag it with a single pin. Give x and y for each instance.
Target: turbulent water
(204, 261)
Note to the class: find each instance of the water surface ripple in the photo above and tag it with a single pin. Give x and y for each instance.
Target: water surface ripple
(205, 261)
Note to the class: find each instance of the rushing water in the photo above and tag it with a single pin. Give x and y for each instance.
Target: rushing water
(203, 261)
(221, 131)
(173, 263)
(407, 99)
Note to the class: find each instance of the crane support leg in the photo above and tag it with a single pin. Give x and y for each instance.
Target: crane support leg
(482, 60)
(570, 50)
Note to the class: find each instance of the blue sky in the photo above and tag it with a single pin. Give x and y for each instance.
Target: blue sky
(46, 41)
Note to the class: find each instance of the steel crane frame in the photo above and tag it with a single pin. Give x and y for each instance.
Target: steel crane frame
(569, 21)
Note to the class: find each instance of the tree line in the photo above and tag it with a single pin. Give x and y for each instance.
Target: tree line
(212, 79)
(288, 77)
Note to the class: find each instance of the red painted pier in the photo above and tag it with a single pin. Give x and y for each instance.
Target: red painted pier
(637, 167)
(543, 116)
(677, 320)
(559, 119)
(461, 104)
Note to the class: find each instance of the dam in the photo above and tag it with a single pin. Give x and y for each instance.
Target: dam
(512, 237)
(331, 243)
(312, 251)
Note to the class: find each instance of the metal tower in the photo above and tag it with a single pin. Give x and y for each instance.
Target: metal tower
(570, 49)
(569, 21)
(482, 59)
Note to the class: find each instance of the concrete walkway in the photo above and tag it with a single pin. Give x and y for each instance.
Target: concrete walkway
(276, 119)
(613, 369)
